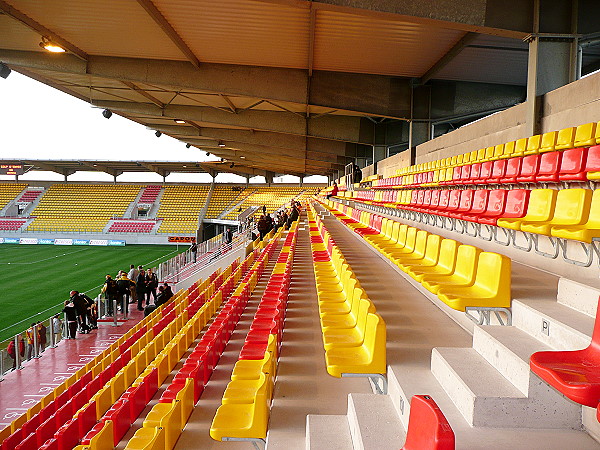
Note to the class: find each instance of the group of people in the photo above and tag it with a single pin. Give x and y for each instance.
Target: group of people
(283, 218)
(135, 286)
(80, 313)
(36, 338)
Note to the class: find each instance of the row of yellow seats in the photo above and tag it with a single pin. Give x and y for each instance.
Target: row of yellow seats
(568, 213)
(244, 410)
(460, 275)
(354, 335)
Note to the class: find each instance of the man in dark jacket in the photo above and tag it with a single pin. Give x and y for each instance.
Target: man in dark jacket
(124, 284)
(71, 316)
(140, 289)
(262, 226)
(81, 306)
(111, 292)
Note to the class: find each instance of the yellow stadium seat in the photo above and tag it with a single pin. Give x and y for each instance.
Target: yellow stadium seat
(539, 210)
(586, 231)
(585, 135)
(491, 289)
(548, 141)
(148, 439)
(443, 266)
(167, 416)
(565, 138)
(429, 256)
(533, 144)
(463, 274)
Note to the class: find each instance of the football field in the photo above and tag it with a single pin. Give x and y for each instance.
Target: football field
(36, 279)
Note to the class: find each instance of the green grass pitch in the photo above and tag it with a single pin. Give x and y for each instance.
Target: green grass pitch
(37, 279)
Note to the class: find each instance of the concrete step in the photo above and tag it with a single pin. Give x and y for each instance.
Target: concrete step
(487, 399)
(324, 432)
(578, 296)
(554, 324)
(508, 350)
(374, 423)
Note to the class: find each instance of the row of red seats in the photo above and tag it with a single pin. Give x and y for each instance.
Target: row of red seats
(11, 225)
(578, 164)
(270, 314)
(29, 196)
(131, 227)
(481, 206)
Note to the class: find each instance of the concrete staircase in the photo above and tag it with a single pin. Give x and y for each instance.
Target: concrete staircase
(487, 392)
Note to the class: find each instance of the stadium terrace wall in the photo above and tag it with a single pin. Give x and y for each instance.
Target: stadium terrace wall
(571, 105)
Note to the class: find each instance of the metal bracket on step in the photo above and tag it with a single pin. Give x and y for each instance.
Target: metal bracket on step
(589, 250)
(490, 229)
(476, 228)
(508, 235)
(258, 444)
(528, 238)
(373, 378)
(535, 239)
(485, 315)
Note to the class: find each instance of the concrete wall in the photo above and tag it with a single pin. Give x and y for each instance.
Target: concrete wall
(571, 105)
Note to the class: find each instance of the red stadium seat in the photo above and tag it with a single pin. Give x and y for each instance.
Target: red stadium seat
(479, 206)
(529, 169)
(428, 428)
(517, 201)
(513, 168)
(495, 207)
(549, 167)
(485, 173)
(576, 373)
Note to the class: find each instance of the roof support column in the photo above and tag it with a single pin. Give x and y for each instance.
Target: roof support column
(379, 153)
(553, 54)
(269, 177)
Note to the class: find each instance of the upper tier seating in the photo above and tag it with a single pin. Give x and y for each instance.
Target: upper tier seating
(272, 197)
(150, 193)
(223, 197)
(180, 208)
(81, 207)
(8, 192)
(30, 195)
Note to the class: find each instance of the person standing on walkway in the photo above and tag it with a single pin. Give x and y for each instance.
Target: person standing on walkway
(140, 289)
(151, 285)
(111, 292)
(71, 316)
(29, 335)
(42, 339)
(132, 275)
(194, 250)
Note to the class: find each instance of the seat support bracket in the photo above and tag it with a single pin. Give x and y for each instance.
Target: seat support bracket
(374, 378)
(485, 315)
(258, 444)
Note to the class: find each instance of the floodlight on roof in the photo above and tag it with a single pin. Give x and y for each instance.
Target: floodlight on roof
(50, 46)
(179, 120)
(107, 113)
(207, 153)
(4, 70)
(231, 166)
(221, 144)
(242, 157)
(158, 133)
(188, 145)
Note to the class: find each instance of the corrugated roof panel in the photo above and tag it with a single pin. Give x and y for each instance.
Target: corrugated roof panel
(17, 36)
(352, 43)
(103, 27)
(487, 66)
(241, 31)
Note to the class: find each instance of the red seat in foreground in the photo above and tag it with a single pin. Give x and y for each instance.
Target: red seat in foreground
(428, 429)
(576, 373)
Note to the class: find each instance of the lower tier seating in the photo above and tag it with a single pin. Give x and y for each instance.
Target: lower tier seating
(11, 224)
(131, 226)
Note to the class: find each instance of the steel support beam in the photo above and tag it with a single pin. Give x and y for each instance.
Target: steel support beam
(448, 57)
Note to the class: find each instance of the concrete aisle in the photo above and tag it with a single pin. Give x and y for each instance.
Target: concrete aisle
(303, 386)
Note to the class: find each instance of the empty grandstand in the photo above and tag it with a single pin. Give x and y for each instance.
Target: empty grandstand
(442, 294)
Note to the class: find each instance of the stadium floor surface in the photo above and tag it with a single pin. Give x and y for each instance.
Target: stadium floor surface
(37, 279)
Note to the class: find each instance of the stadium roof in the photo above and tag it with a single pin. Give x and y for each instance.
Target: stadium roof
(68, 167)
(295, 86)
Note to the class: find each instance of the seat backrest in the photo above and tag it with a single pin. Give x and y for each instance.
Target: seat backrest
(594, 216)
(428, 429)
(592, 163)
(427, 198)
(548, 141)
(496, 202)
(480, 199)
(493, 273)
(513, 167)
(489, 153)
(520, 147)
(448, 252)
(432, 249)
(481, 154)
(585, 135)
(486, 170)
(465, 174)
(498, 151)
(466, 263)
(565, 138)
(466, 200)
(533, 144)
(529, 166)
(444, 198)
(411, 238)
(420, 243)
(573, 160)
(453, 200)
(498, 169)
(435, 197)
(572, 207)
(517, 202)
(549, 163)
(475, 171)
(401, 236)
(541, 205)
(509, 149)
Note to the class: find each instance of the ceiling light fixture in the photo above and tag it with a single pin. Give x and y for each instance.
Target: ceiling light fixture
(50, 46)
(179, 121)
(4, 70)
(242, 157)
(207, 153)
(107, 113)
(158, 134)
(221, 144)
(231, 166)
(184, 165)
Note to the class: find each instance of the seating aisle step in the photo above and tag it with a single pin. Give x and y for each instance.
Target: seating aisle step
(328, 431)
(374, 423)
(486, 399)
